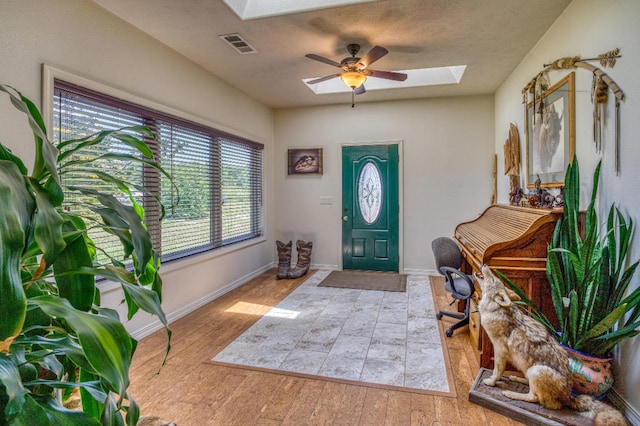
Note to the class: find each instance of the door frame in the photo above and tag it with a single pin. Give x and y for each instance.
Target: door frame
(398, 142)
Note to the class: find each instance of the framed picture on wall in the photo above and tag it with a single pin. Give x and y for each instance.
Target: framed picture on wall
(304, 161)
(551, 134)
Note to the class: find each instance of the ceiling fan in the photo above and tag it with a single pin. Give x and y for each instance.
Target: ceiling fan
(355, 70)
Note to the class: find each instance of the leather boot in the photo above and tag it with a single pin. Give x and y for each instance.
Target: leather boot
(304, 259)
(284, 259)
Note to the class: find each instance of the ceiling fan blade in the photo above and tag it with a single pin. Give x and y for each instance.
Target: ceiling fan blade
(359, 90)
(389, 75)
(322, 59)
(325, 78)
(373, 55)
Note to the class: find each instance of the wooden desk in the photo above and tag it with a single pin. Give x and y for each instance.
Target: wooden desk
(513, 240)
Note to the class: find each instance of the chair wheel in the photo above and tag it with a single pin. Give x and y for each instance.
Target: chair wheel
(439, 315)
(449, 332)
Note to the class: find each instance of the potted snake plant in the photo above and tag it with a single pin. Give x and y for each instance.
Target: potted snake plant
(54, 335)
(589, 276)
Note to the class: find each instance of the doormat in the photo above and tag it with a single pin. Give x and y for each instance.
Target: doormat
(388, 340)
(525, 412)
(383, 281)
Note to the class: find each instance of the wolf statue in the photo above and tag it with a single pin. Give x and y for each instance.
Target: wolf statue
(528, 346)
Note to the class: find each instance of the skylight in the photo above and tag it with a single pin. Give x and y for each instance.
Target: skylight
(252, 9)
(415, 78)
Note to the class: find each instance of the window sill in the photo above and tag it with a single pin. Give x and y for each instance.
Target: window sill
(185, 262)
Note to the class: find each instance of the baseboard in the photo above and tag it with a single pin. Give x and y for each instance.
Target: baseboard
(623, 405)
(411, 271)
(187, 309)
(324, 267)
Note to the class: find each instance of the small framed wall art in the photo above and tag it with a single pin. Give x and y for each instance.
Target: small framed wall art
(302, 161)
(551, 134)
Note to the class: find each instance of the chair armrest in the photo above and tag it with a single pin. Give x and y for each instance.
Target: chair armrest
(449, 273)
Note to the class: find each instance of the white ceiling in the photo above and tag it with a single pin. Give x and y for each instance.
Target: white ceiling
(489, 36)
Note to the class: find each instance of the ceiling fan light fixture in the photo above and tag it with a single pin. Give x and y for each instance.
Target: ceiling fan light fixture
(353, 79)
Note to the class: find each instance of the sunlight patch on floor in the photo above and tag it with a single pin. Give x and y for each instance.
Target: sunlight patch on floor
(248, 308)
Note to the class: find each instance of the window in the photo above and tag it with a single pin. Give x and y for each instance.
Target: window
(217, 176)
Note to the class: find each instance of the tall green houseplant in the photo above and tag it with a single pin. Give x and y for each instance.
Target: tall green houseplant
(54, 335)
(588, 275)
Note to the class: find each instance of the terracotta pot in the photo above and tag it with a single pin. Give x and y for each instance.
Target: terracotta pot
(591, 375)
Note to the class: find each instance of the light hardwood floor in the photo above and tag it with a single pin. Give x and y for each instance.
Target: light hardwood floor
(190, 391)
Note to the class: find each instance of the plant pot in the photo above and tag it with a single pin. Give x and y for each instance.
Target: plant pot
(591, 375)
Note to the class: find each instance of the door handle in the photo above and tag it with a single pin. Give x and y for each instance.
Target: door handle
(345, 218)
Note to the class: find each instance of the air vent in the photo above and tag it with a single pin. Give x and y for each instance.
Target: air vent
(238, 43)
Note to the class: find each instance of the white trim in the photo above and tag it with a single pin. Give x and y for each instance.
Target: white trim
(623, 405)
(413, 271)
(197, 304)
(49, 73)
(325, 267)
(400, 143)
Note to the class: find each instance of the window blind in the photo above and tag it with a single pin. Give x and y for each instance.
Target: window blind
(216, 195)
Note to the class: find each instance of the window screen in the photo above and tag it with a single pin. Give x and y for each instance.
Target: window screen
(217, 177)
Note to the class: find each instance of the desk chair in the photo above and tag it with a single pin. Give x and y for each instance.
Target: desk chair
(448, 261)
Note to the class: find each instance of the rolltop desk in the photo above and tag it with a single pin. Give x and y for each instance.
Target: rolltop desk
(513, 240)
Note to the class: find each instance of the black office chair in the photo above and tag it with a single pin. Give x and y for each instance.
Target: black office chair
(448, 260)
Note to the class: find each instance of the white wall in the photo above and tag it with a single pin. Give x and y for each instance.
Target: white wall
(588, 28)
(79, 37)
(447, 160)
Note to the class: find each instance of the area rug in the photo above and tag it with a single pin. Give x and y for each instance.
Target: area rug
(383, 281)
(375, 338)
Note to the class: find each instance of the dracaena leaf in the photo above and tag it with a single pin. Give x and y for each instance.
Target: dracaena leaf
(16, 205)
(32, 413)
(60, 345)
(92, 401)
(149, 302)
(133, 412)
(61, 416)
(139, 234)
(79, 289)
(46, 152)
(116, 225)
(47, 223)
(105, 342)
(10, 380)
(97, 138)
(111, 413)
(7, 155)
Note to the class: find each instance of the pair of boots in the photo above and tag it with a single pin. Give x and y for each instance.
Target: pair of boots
(284, 259)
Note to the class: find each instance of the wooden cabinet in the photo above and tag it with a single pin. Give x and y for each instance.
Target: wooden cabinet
(474, 325)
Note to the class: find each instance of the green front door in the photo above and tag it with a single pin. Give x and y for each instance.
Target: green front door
(370, 207)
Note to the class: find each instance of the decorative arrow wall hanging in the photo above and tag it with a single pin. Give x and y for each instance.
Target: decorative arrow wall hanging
(600, 87)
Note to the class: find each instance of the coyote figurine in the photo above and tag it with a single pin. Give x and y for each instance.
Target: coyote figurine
(527, 345)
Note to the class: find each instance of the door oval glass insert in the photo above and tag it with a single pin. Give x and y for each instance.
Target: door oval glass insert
(370, 192)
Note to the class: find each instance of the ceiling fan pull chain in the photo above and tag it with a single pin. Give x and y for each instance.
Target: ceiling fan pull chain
(353, 98)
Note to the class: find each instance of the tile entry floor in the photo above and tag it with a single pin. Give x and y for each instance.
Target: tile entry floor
(380, 337)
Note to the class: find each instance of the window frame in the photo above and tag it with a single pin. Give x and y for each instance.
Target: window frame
(50, 74)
